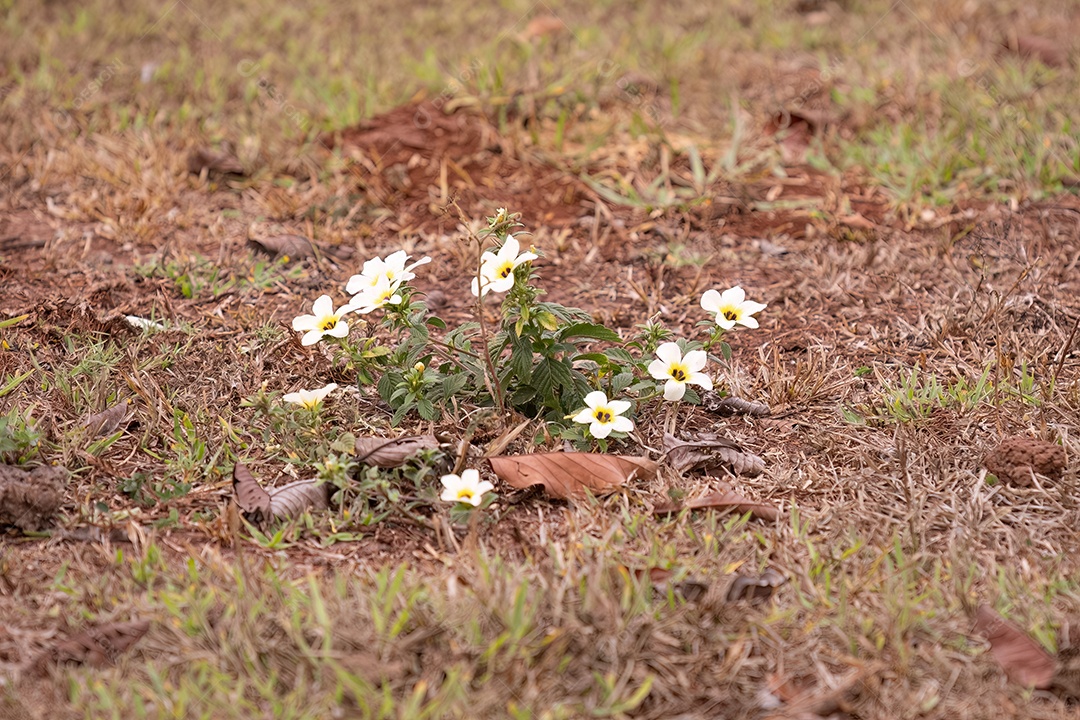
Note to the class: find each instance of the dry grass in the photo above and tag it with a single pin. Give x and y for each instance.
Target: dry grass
(922, 270)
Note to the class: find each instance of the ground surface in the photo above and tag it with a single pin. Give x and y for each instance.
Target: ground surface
(896, 180)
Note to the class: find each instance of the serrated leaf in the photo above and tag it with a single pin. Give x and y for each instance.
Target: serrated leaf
(427, 410)
(620, 382)
(451, 385)
(620, 355)
(572, 475)
(589, 330)
(387, 384)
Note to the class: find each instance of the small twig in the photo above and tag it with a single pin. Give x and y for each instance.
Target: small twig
(1064, 352)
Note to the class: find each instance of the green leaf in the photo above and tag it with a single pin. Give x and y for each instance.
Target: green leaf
(620, 382)
(599, 358)
(387, 384)
(427, 410)
(691, 397)
(436, 322)
(452, 385)
(619, 355)
(521, 360)
(589, 330)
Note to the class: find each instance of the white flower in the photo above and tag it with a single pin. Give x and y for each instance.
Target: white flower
(310, 398)
(678, 370)
(604, 415)
(465, 488)
(371, 298)
(497, 270)
(731, 307)
(393, 269)
(324, 321)
(143, 323)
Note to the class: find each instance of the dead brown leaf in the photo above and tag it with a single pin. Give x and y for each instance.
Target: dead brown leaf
(711, 454)
(762, 587)
(725, 499)
(689, 589)
(107, 421)
(394, 452)
(728, 406)
(213, 161)
(571, 475)
(295, 247)
(1045, 50)
(1022, 659)
(98, 647)
(251, 497)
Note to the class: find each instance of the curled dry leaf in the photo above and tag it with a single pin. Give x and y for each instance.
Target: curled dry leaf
(98, 647)
(571, 475)
(391, 453)
(728, 406)
(725, 499)
(214, 162)
(762, 587)
(294, 247)
(689, 589)
(1023, 660)
(107, 421)
(251, 497)
(286, 502)
(711, 454)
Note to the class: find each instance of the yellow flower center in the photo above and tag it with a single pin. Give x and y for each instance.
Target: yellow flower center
(505, 270)
(328, 323)
(731, 314)
(465, 494)
(678, 372)
(603, 415)
(310, 404)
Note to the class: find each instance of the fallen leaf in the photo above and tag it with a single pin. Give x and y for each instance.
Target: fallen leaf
(711, 453)
(214, 162)
(1045, 50)
(107, 421)
(728, 406)
(286, 502)
(689, 589)
(391, 453)
(96, 647)
(295, 247)
(570, 475)
(744, 587)
(251, 497)
(725, 499)
(1022, 659)
(292, 500)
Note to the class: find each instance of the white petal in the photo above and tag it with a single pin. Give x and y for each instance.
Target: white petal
(451, 481)
(524, 258)
(710, 301)
(658, 369)
(293, 397)
(475, 287)
(470, 476)
(695, 360)
(700, 379)
(674, 390)
(324, 391)
(449, 495)
(600, 430)
(595, 398)
(502, 284)
(724, 323)
(510, 248)
(323, 306)
(585, 416)
(311, 337)
(475, 500)
(748, 321)
(422, 261)
(484, 487)
(356, 284)
(304, 323)
(752, 307)
(396, 259)
(340, 330)
(734, 295)
(622, 424)
(618, 407)
(669, 352)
